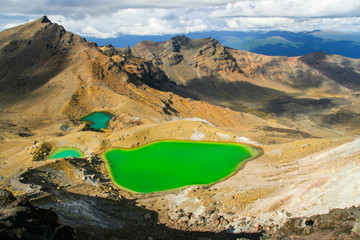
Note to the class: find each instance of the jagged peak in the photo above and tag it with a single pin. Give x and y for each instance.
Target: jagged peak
(44, 19)
(180, 38)
(181, 41)
(176, 43)
(127, 50)
(36, 24)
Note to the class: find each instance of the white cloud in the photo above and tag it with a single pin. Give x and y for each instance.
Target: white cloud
(92, 32)
(152, 17)
(294, 24)
(138, 22)
(290, 8)
(243, 23)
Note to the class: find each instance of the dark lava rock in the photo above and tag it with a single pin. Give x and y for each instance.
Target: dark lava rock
(21, 220)
(42, 152)
(127, 50)
(177, 43)
(175, 59)
(87, 127)
(287, 106)
(337, 224)
(343, 116)
(45, 19)
(6, 197)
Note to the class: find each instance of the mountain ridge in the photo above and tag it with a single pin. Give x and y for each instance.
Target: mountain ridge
(236, 65)
(80, 78)
(273, 43)
(201, 69)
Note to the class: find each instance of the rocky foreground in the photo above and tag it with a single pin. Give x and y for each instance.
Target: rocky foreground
(19, 219)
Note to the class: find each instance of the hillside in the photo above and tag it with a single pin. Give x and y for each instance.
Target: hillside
(286, 88)
(199, 59)
(302, 112)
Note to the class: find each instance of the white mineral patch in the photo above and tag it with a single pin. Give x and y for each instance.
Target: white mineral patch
(199, 120)
(182, 196)
(320, 182)
(246, 140)
(275, 152)
(197, 135)
(342, 190)
(224, 136)
(199, 211)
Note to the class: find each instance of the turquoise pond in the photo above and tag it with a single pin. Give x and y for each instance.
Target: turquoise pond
(65, 152)
(98, 120)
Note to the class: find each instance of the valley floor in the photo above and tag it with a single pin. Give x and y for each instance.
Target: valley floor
(295, 179)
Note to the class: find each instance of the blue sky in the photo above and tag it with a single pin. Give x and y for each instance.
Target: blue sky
(105, 19)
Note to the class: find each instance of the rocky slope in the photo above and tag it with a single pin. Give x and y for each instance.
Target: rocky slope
(307, 90)
(193, 62)
(302, 111)
(75, 77)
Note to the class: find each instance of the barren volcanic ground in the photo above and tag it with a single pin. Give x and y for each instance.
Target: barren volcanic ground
(303, 112)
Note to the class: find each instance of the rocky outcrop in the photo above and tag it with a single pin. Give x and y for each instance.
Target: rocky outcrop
(175, 59)
(21, 220)
(178, 43)
(337, 224)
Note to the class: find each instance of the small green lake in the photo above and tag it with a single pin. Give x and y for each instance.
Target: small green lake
(98, 120)
(168, 165)
(66, 152)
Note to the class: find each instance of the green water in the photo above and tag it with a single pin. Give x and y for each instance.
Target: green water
(98, 120)
(170, 165)
(66, 152)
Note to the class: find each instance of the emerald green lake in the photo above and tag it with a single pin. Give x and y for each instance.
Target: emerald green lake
(168, 165)
(98, 120)
(66, 152)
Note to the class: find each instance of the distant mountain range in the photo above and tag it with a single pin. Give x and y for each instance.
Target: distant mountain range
(273, 43)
